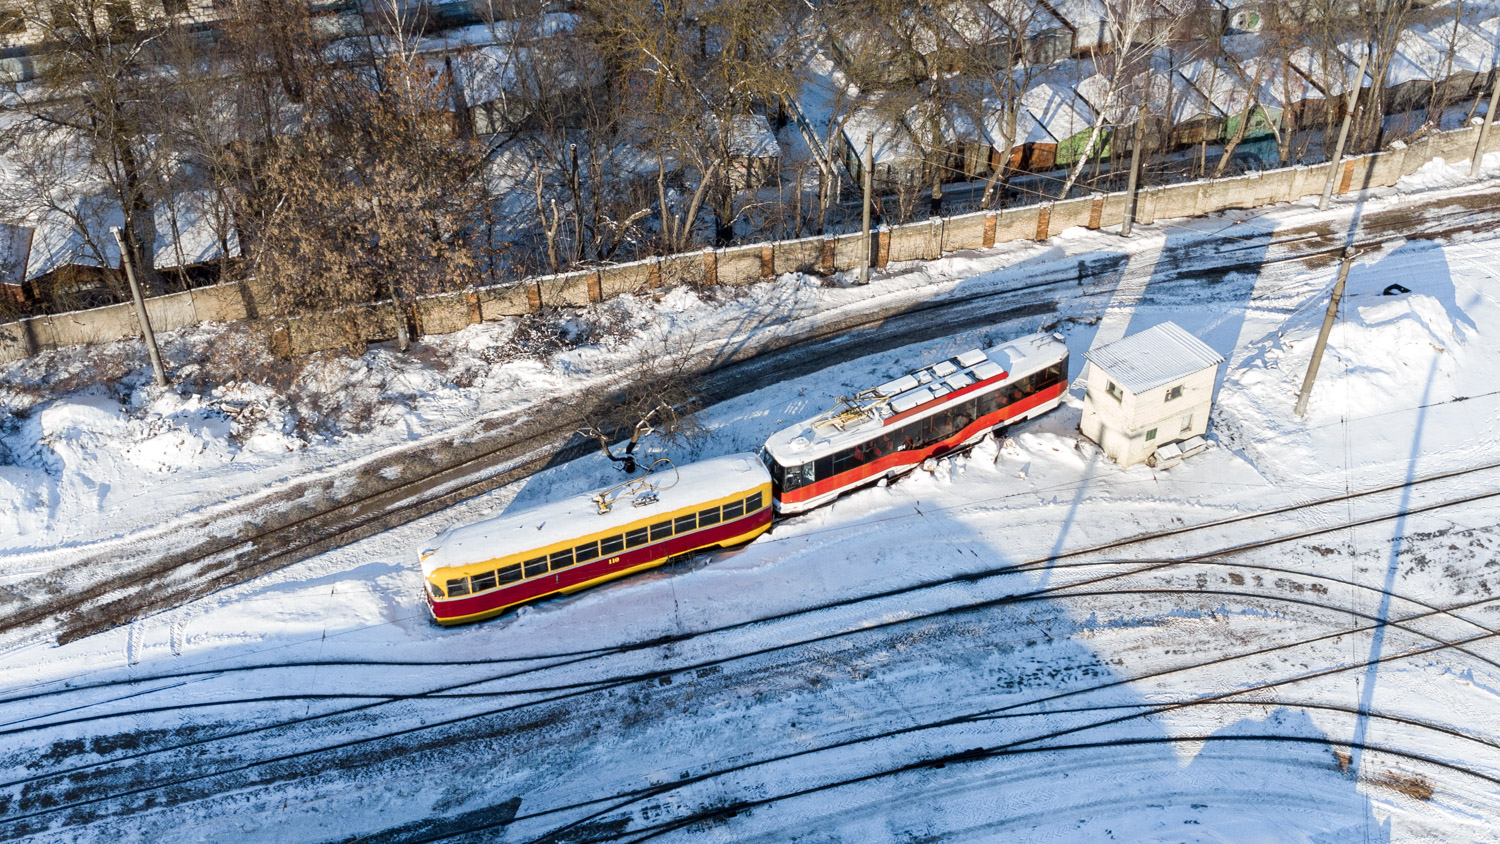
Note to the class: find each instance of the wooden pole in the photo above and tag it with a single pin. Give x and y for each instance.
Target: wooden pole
(1484, 128)
(1328, 318)
(1338, 150)
(140, 308)
(869, 164)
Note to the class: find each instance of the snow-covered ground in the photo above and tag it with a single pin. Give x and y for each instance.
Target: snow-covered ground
(1300, 691)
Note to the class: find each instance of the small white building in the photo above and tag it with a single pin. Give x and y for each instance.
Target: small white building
(1147, 391)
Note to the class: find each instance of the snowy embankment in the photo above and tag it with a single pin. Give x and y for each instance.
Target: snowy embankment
(1334, 722)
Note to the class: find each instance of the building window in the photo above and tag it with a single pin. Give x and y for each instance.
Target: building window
(1187, 423)
(1174, 393)
(1151, 435)
(1114, 391)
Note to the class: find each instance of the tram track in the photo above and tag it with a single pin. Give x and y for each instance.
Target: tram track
(1058, 591)
(286, 528)
(1009, 711)
(573, 658)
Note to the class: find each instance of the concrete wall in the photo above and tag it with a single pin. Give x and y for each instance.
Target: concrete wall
(798, 256)
(921, 240)
(738, 266)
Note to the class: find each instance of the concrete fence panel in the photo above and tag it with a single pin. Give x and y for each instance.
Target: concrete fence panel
(798, 256)
(1309, 180)
(1113, 212)
(1176, 201)
(444, 313)
(739, 265)
(500, 302)
(847, 250)
(634, 277)
(677, 269)
(100, 325)
(564, 290)
(170, 313)
(15, 341)
(915, 241)
(1455, 146)
(964, 232)
(1492, 142)
(1276, 185)
(1070, 213)
(1146, 200)
(1418, 153)
(1014, 224)
(219, 303)
(1386, 169)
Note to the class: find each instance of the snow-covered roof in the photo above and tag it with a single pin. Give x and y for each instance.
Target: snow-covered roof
(1151, 358)
(1057, 109)
(15, 251)
(578, 515)
(870, 410)
(1218, 81)
(891, 144)
(750, 136)
(1028, 131)
(58, 243)
(1472, 50)
(1334, 74)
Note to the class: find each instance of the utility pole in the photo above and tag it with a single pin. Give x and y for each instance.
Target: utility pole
(1333, 309)
(1338, 150)
(1135, 171)
(1484, 128)
(140, 308)
(869, 164)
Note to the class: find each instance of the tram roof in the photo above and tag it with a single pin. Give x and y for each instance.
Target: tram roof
(920, 390)
(577, 515)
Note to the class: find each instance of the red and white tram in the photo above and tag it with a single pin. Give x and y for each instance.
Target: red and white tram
(481, 570)
(928, 412)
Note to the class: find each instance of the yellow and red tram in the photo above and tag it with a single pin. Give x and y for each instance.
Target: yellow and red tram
(481, 570)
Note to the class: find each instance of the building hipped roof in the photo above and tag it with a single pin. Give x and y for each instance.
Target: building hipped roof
(1151, 358)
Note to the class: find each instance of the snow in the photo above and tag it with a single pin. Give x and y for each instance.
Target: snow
(1406, 390)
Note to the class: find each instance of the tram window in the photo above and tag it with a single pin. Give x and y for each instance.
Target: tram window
(611, 545)
(843, 461)
(509, 574)
(708, 517)
(778, 473)
(535, 567)
(661, 530)
(985, 403)
(683, 524)
(798, 476)
(562, 559)
(823, 468)
(587, 551)
(734, 510)
(458, 586)
(635, 538)
(482, 582)
(753, 503)
(436, 590)
(1055, 372)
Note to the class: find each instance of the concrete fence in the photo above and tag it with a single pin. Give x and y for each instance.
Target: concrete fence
(740, 265)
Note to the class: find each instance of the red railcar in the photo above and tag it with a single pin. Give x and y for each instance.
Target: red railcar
(886, 430)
